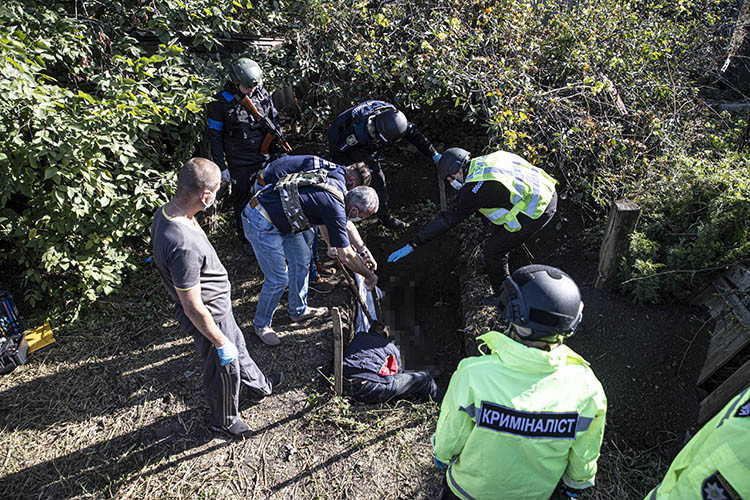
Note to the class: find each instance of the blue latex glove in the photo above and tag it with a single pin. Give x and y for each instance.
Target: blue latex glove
(440, 464)
(436, 158)
(227, 353)
(400, 253)
(569, 492)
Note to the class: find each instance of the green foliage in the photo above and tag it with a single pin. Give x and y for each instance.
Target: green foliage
(95, 126)
(546, 81)
(90, 150)
(696, 214)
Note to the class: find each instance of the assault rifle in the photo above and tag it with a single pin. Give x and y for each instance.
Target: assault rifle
(274, 131)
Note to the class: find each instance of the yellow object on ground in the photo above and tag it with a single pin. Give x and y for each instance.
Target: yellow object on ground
(39, 337)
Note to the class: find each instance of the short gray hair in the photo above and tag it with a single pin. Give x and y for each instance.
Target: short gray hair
(364, 198)
(197, 175)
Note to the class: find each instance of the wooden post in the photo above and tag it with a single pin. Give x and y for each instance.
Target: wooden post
(441, 188)
(622, 219)
(338, 352)
(726, 391)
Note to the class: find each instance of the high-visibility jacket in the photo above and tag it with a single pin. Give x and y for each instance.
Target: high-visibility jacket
(517, 420)
(715, 464)
(531, 188)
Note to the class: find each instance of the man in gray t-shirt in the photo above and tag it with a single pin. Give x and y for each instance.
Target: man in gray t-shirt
(198, 283)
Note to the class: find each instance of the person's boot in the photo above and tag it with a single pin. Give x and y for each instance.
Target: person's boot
(393, 223)
(238, 430)
(267, 335)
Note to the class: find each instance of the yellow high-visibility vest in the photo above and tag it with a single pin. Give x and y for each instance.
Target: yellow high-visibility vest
(715, 464)
(517, 420)
(531, 188)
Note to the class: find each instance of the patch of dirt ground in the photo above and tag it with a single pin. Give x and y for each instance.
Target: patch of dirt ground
(115, 408)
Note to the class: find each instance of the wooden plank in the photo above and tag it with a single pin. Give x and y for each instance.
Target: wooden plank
(338, 352)
(711, 300)
(725, 343)
(622, 219)
(716, 305)
(739, 276)
(726, 391)
(738, 308)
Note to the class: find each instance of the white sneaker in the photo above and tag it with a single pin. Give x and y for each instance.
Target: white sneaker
(267, 335)
(311, 312)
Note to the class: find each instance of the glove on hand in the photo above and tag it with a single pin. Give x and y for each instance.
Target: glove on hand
(225, 177)
(400, 253)
(440, 464)
(564, 491)
(227, 353)
(436, 158)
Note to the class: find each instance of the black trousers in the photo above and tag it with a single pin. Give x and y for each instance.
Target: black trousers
(242, 183)
(221, 384)
(447, 493)
(498, 246)
(402, 384)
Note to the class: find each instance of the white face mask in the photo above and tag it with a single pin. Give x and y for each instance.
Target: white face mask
(355, 219)
(456, 185)
(208, 205)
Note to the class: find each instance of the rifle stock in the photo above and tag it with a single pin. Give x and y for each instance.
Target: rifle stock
(267, 122)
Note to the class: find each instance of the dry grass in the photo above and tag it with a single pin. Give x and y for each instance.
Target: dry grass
(115, 409)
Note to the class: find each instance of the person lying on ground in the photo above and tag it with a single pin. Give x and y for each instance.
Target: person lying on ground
(373, 372)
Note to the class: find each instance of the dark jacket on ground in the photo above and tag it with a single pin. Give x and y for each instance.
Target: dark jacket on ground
(233, 131)
(371, 357)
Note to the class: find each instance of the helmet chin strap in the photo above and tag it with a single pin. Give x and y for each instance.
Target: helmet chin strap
(545, 344)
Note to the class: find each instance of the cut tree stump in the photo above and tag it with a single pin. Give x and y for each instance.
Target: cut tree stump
(623, 217)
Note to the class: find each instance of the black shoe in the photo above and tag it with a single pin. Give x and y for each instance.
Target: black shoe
(238, 430)
(394, 224)
(276, 379)
(491, 300)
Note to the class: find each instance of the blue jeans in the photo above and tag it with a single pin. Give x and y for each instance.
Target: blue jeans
(273, 252)
(402, 384)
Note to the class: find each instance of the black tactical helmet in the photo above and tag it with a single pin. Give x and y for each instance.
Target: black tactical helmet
(452, 161)
(543, 299)
(246, 72)
(391, 125)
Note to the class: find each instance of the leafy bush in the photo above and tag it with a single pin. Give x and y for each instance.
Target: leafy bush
(88, 151)
(696, 220)
(95, 126)
(545, 80)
